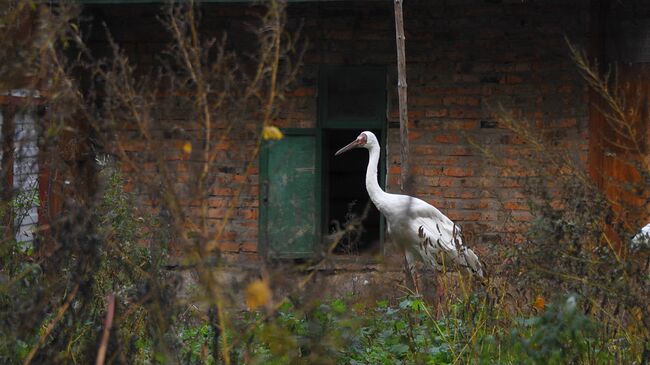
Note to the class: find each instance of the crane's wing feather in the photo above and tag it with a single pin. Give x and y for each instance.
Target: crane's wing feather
(438, 234)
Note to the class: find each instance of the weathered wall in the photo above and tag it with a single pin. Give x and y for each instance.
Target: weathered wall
(465, 60)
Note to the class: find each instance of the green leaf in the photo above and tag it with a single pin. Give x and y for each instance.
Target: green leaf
(339, 306)
(418, 305)
(399, 349)
(406, 303)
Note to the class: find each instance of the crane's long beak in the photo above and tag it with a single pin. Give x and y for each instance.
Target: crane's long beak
(353, 144)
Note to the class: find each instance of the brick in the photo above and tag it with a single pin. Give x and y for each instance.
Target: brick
(248, 214)
(517, 172)
(218, 203)
(447, 138)
(303, 91)
(465, 112)
(217, 213)
(412, 114)
(340, 34)
(522, 67)
(566, 123)
(515, 205)
(465, 78)
(229, 246)
(461, 100)
(457, 171)
(424, 100)
(459, 193)
(460, 151)
(489, 216)
(132, 145)
(521, 216)
(513, 79)
(393, 180)
(414, 134)
(239, 179)
(446, 182)
(223, 191)
(464, 215)
(249, 246)
(453, 90)
(436, 113)
(509, 183)
(462, 124)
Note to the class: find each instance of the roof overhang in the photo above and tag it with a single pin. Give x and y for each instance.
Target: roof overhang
(126, 2)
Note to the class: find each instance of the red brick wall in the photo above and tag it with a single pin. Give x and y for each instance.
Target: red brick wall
(465, 59)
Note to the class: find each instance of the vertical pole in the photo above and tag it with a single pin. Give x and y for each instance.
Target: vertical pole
(401, 90)
(404, 181)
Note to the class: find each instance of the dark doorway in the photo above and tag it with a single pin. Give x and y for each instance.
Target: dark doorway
(346, 198)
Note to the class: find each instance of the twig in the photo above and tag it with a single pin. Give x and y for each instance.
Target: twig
(50, 327)
(108, 323)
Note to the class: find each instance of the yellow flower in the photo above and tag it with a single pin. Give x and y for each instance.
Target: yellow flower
(271, 132)
(539, 303)
(187, 148)
(257, 294)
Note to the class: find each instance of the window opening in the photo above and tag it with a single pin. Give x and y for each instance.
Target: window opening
(23, 173)
(307, 196)
(353, 94)
(352, 99)
(25, 179)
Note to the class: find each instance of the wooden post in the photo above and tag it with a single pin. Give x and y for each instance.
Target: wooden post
(401, 90)
(403, 122)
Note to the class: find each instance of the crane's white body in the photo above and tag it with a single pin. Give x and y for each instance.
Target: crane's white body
(641, 239)
(418, 227)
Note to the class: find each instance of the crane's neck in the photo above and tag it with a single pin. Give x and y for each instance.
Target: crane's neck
(374, 190)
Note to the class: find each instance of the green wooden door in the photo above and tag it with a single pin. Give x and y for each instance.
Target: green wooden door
(290, 204)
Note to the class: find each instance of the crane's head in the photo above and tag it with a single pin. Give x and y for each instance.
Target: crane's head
(366, 140)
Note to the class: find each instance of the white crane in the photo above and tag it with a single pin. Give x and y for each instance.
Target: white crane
(422, 231)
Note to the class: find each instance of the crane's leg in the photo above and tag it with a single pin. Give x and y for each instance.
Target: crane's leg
(410, 265)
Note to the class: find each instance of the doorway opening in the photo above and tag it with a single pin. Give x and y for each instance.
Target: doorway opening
(346, 199)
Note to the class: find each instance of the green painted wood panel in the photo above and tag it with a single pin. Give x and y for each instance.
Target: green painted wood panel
(292, 206)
